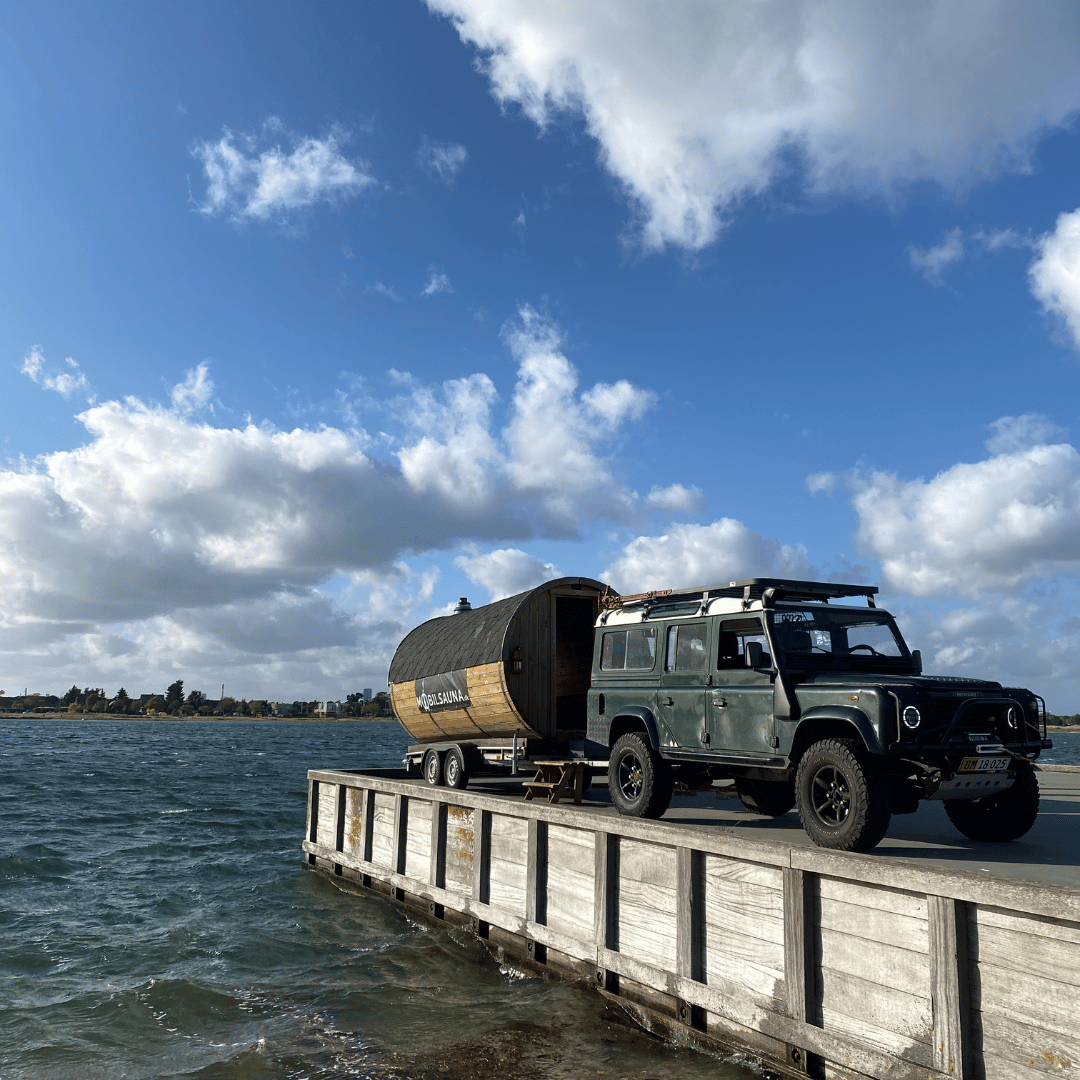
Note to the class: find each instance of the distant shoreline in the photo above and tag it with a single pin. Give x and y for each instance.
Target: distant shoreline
(198, 719)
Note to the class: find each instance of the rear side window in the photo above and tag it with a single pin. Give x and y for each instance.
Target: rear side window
(686, 647)
(628, 650)
(734, 634)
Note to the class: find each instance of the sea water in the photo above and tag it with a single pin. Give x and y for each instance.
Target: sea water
(155, 921)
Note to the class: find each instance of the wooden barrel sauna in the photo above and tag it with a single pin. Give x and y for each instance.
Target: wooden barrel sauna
(520, 666)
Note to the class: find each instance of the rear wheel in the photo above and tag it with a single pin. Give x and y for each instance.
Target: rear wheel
(844, 797)
(1006, 815)
(433, 771)
(769, 798)
(638, 778)
(454, 772)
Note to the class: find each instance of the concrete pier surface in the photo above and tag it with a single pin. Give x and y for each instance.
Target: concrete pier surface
(1048, 854)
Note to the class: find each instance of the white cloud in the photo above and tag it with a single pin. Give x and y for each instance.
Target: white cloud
(64, 383)
(688, 555)
(388, 291)
(195, 392)
(443, 160)
(697, 105)
(248, 183)
(437, 283)
(933, 262)
(676, 499)
(506, 571)
(992, 524)
(1012, 433)
(821, 482)
(1055, 273)
(165, 541)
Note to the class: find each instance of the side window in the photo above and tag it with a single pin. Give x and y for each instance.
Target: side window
(686, 647)
(734, 634)
(628, 650)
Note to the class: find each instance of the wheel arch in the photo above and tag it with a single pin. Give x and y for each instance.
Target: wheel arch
(834, 722)
(634, 718)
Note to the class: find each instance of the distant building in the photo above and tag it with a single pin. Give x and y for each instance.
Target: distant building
(367, 693)
(328, 708)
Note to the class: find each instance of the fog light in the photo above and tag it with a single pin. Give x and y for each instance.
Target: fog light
(911, 718)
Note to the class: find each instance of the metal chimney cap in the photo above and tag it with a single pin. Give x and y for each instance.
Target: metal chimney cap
(463, 605)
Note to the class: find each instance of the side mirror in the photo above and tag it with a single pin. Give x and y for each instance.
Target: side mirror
(754, 653)
(916, 655)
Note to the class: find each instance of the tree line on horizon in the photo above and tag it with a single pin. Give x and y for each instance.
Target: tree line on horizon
(175, 703)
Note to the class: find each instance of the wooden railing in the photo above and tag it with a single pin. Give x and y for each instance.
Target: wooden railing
(819, 962)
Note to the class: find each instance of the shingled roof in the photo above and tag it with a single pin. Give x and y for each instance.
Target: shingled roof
(453, 642)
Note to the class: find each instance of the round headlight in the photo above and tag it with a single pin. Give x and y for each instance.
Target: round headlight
(911, 718)
(1011, 717)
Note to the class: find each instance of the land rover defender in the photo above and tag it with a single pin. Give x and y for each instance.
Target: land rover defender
(803, 702)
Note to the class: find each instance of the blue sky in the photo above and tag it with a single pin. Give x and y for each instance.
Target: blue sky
(316, 317)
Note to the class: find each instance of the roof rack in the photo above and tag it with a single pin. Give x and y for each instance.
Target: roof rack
(767, 589)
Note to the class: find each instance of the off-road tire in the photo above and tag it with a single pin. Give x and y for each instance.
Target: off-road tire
(639, 780)
(769, 798)
(455, 775)
(843, 796)
(433, 768)
(1004, 816)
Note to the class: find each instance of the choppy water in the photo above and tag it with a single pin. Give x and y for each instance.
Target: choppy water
(155, 922)
(1066, 749)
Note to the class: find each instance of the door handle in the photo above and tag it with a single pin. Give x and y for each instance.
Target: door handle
(668, 701)
(718, 701)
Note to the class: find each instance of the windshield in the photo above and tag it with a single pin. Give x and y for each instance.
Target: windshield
(826, 634)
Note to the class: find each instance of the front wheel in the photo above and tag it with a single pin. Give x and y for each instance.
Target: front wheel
(843, 796)
(638, 778)
(1006, 815)
(769, 798)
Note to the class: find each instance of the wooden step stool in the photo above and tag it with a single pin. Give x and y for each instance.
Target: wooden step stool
(557, 778)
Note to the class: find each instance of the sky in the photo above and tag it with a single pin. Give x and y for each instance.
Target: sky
(315, 317)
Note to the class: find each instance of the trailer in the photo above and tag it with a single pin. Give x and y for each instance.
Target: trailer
(498, 686)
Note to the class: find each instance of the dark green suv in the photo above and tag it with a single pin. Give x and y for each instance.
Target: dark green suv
(804, 702)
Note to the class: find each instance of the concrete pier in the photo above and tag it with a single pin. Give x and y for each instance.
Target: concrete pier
(930, 957)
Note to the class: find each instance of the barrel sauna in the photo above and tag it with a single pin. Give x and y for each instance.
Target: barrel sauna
(519, 667)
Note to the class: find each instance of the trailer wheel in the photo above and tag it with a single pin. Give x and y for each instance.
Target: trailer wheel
(1007, 815)
(844, 798)
(638, 778)
(433, 768)
(454, 771)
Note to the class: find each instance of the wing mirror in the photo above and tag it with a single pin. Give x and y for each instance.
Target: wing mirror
(916, 655)
(754, 654)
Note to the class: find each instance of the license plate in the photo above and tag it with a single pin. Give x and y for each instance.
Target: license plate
(984, 764)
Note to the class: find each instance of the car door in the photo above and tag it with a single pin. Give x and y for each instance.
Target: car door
(740, 701)
(684, 683)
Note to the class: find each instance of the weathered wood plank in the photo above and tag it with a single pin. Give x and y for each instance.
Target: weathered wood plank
(884, 965)
(437, 867)
(571, 848)
(1011, 1048)
(647, 864)
(482, 856)
(459, 849)
(418, 847)
(536, 872)
(907, 1016)
(326, 833)
(874, 897)
(1045, 956)
(401, 832)
(1028, 999)
(876, 924)
(1023, 923)
(354, 823)
(569, 900)
(948, 986)
(796, 943)
(382, 834)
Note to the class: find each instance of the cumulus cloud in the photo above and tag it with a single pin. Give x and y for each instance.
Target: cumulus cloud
(992, 524)
(437, 283)
(676, 499)
(1055, 273)
(1011, 433)
(443, 160)
(165, 532)
(505, 571)
(251, 183)
(64, 383)
(697, 105)
(688, 555)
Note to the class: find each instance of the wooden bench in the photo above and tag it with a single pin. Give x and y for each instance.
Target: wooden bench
(557, 778)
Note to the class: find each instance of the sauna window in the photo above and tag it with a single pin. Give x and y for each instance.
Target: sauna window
(686, 647)
(628, 650)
